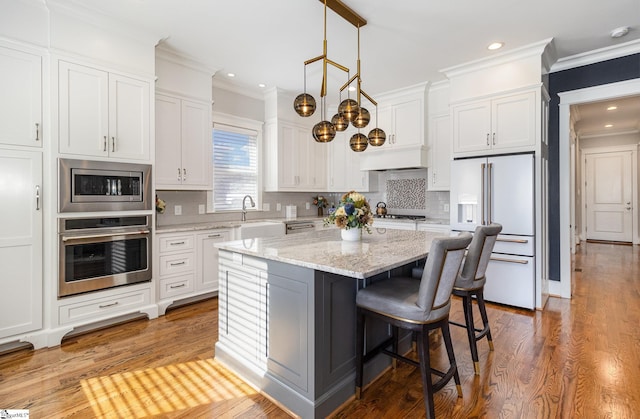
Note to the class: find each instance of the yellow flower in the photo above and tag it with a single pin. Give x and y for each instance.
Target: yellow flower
(340, 212)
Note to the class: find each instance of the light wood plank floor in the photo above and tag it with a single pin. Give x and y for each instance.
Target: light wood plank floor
(579, 358)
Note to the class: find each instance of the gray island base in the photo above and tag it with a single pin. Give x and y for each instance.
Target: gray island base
(287, 314)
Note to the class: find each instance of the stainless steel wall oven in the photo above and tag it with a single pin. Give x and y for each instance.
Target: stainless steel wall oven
(86, 186)
(103, 252)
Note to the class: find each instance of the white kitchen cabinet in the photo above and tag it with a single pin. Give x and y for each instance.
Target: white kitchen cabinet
(21, 98)
(294, 161)
(434, 228)
(20, 242)
(344, 166)
(102, 114)
(400, 224)
(501, 124)
(402, 120)
(183, 143)
(439, 153)
(176, 264)
(207, 259)
(99, 308)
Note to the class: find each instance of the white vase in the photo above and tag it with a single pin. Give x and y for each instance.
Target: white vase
(352, 234)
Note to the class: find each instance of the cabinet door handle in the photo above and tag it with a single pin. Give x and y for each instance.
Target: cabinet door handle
(521, 241)
(37, 131)
(487, 138)
(213, 236)
(184, 174)
(521, 262)
(104, 144)
(177, 286)
(177, 263)
(176, 243)
(179, 178)
(494, 138)
(108, 305)
(113, 144)
(37, 197)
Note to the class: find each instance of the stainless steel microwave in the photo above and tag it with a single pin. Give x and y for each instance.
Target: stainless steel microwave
(88, 186)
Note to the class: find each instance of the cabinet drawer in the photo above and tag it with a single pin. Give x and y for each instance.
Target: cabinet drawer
(106, 306)
(514, 245)
(176, 264)
(176, 243)
(176, 285)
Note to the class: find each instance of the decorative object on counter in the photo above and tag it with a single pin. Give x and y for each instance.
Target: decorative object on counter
(160, 205)
(381, 208)
(353, 213)
(320, 202)
(349, 110)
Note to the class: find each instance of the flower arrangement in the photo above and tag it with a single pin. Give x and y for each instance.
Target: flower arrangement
(353, 212)
(320, 201)
(160, 205)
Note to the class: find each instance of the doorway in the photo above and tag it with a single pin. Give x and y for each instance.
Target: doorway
(567, 170)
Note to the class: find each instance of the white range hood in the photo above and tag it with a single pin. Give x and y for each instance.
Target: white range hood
(410, 157)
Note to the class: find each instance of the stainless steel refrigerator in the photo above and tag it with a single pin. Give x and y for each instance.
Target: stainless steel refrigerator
(500, 189)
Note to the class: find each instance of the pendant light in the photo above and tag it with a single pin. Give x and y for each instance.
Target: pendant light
(358, 142)
(377, 137)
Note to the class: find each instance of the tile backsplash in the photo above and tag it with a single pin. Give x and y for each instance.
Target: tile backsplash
(407, 193)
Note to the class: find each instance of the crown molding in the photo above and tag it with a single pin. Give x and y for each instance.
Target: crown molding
(597, 55)
(165, 52)
(224, 84)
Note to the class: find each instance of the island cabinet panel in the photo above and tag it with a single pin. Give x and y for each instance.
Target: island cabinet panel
(288, 330)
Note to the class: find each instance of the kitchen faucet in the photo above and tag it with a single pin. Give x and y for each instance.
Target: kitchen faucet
(244, 207)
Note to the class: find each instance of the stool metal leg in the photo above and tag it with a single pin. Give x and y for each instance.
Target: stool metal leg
(425, 372)
(471, 333)
(485, 319)
(446, 336)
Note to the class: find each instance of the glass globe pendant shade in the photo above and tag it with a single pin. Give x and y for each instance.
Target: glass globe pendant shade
(377, 137)
(358, 142)
(304, 104)
(349, 109)
(324, 131)
(363, 118)
(339, 122)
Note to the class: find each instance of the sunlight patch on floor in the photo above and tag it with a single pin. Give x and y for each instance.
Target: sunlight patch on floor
(171, 388)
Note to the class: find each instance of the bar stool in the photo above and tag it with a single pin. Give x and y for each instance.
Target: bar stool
(470, 284)
(418, 306)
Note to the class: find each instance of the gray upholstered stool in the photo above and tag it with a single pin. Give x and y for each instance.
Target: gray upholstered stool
(419, 306)
(470, 284)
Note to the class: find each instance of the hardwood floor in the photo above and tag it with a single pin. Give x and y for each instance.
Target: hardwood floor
(578, 358)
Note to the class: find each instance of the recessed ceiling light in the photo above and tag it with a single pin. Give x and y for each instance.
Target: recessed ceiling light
(620, 32)
(612, 108)
(495, 45)
(262, 85)
(608, 126)
(231, 75)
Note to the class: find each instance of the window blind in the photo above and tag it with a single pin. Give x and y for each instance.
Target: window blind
(235, 167)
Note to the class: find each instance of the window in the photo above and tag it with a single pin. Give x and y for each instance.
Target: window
(235, 166)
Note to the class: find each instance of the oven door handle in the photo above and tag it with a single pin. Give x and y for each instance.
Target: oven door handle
(101, 236)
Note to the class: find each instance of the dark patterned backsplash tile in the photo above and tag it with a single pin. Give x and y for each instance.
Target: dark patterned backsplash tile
(406, 193)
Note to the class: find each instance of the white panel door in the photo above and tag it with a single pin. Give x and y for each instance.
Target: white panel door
(21, 98)
(129, 118)
(197, 158)
(20, 242)
(84, 110)
(608, 189)
(168, 167)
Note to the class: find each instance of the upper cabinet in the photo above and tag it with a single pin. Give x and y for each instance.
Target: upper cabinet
(344, 166)
(402, 116)
(439, 143)
(102, 114)
(21, 98)
(183, 143)
(294, 161)
(501, 124)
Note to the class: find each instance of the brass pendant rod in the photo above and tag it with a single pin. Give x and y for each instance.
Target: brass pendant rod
(339, 66)
(313, 60)
(358, 68)
(344, 86)
(369, 98)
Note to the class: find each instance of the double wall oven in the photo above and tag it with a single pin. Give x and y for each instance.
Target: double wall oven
(112, 248)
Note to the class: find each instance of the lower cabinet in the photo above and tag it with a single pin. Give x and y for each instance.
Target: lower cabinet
(20, 242)
(187, 264)
(94, 309)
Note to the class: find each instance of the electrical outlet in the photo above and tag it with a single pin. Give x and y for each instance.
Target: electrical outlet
(446, 207)
(177, 210)
(201, 209)
(266, 207)
(308, 205)
(278, 207)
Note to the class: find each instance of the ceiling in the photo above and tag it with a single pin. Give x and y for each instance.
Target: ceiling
(403, 43)
(591, 119)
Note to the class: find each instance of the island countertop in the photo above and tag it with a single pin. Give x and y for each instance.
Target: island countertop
(324, 250)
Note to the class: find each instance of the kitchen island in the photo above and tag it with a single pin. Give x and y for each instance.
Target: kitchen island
(287, 311)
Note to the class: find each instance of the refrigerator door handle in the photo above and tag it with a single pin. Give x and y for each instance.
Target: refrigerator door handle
(489, 183)
(482, 193)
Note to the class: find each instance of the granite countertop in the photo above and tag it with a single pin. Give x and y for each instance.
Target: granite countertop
(213, 225)
(325, 251)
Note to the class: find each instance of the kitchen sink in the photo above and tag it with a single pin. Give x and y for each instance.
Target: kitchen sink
(251, 230)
